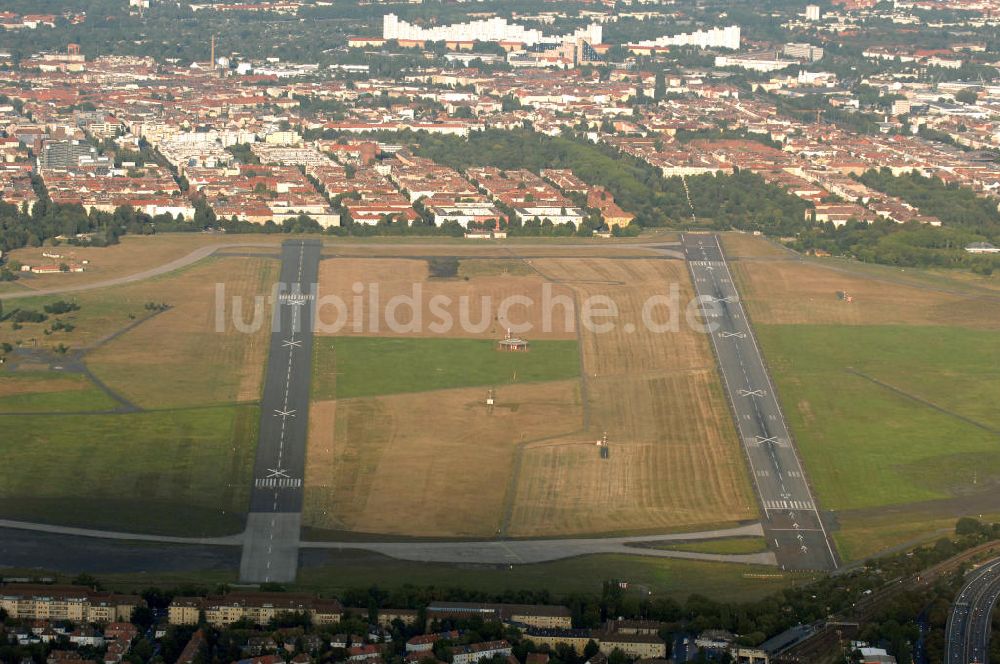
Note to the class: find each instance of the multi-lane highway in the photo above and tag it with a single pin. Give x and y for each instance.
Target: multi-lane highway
(271, 544)
(792, 523)
(967, 636)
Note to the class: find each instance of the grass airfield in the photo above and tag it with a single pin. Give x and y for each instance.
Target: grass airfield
(890, 399)
(890, 396)
(402, 442)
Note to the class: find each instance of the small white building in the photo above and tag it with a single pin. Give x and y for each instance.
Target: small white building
(477, 651)
(981, 248)
(466, 213)
(557, 215)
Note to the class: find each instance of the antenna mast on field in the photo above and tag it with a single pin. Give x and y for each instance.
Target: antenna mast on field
(602, 445)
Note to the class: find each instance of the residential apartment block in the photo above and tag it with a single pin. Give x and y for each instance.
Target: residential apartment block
(258, 608)
(638, 639)
(73, 603)
(541, 616)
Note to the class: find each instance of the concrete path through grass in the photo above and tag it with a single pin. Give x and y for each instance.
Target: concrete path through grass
(478, 552)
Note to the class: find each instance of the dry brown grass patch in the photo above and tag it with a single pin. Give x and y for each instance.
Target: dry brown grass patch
(16, 385)
(790, 292)
(178, 358)
(431, 464)
(675, 460)
(674, 463)
(743, 245)
(398, 276)
(133, 254)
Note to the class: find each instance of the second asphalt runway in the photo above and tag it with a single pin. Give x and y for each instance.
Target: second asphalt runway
(271, 546)
(792, 523)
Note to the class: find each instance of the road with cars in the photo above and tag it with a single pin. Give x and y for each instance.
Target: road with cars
(967, 636)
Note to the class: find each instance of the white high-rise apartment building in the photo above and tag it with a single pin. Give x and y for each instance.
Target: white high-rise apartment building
(489, 30)
(728, 37)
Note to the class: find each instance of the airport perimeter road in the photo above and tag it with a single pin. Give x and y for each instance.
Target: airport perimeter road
(792, 523)
(271, 544)
(967, 637)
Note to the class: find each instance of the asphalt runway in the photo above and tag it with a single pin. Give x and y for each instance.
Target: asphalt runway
(792, 523)
(271, 545)
(967, 636)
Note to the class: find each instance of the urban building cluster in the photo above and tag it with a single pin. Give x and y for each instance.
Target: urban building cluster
(241, 146)
(532, 47)
(77, 625)
(261, 141)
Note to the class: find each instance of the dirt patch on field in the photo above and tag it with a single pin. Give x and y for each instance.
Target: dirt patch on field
(634, 343)
(798, 292)
(337, 275)
(431, 464)
(451, 307)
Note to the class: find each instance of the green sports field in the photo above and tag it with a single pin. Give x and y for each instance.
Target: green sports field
(346, 367)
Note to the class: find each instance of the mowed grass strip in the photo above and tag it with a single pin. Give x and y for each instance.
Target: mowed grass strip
(866, 445)
(727, 546)
(347, 367)
(68, 401)
(50, 392)
(860, 538)
(348, 569)
(183, 472)
(585, 574)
